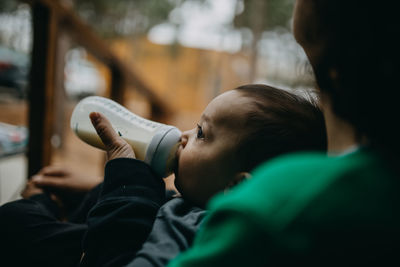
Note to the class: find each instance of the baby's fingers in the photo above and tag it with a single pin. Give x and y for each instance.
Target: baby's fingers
(116, 147)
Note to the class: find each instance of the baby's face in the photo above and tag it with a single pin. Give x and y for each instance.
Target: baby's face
(207, 157)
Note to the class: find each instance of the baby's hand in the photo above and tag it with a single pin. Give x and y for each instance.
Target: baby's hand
(116, 147)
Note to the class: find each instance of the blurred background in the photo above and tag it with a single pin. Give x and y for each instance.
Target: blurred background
(163, 60)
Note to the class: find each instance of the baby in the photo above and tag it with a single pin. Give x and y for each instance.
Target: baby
(132, 222)
(238, 130)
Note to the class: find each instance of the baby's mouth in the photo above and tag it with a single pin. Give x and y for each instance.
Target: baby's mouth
(178, 150)
(176, 159)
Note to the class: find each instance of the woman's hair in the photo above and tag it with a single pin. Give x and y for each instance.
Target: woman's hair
(280, 122)
(358, 66)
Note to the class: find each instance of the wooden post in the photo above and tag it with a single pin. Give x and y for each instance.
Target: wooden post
(63, 44)
(49, 18)
(41, 92)
(117, 85)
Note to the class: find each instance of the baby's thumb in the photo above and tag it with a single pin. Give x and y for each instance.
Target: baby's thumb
(116, 147)
(105, 130)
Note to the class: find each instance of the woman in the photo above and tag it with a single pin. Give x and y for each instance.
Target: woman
(315, 209)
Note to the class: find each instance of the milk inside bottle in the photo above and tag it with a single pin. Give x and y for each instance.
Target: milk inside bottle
(154, 143)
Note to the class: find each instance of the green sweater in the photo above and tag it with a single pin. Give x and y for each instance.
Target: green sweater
(304, 209)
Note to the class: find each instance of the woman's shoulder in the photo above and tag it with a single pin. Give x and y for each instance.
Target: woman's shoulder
(284, 186)
(301, 165)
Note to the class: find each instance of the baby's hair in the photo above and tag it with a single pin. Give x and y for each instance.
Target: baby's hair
(280, 122)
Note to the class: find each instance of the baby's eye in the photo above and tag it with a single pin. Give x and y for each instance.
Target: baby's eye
(200, 133)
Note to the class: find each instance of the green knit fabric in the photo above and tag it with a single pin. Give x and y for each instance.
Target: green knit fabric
(303, 208)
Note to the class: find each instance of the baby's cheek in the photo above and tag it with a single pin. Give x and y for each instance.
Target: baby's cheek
(184, 167)
(190, 168)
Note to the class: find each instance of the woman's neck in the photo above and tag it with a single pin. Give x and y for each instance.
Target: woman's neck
(341, 134)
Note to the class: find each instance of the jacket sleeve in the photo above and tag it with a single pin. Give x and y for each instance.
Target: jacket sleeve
(173, 232)
(31, 235)
(122, 219)
(224, 240)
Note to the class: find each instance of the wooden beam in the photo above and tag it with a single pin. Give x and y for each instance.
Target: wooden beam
(86, 37)
(41, 91)
(49, 19)
(117, 84)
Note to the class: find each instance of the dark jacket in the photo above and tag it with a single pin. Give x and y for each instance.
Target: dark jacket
(127, 226)
(130, 222)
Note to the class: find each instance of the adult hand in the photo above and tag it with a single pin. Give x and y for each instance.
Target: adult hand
(30, 190)
(116, 147)
(57, 178)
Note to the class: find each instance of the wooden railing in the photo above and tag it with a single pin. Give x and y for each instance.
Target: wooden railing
(50, 20)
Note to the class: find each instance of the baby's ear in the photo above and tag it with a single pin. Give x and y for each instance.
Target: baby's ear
(239, 177)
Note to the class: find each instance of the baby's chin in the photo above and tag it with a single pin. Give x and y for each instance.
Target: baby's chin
(179, 178)
(176, 182)
(177, 166)
(176, 162)
(175, 170)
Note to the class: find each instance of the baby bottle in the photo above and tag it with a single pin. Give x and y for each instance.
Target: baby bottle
(154, 143)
